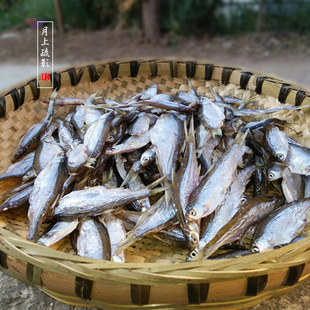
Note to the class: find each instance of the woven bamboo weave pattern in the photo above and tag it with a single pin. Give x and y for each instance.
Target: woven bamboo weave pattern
(155, 274)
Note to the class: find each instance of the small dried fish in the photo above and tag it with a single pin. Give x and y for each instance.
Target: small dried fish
(211, 116)
(253, 211)
(93, 240)
(16, 199)
(19, 169)
(45, 152)
(276, 142)
(105, 145)
(116, 233)
(35, 131)
(282, 226)
(185, 181)
(212, 188)
(58, 232)
(96, 200)
(167, 136)
(47, 187)
(96, 134)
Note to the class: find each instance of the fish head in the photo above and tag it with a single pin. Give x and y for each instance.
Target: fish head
(150, 92)
(110, 138)
(244, 198)
(273, 173)
(194, 212)
(144, 160)
(281, 155)
(260, 245)
(192, 232)
(192, 254)
(76, 157)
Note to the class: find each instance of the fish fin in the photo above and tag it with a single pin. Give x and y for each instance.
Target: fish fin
(185, 130)
(168, 195)
(191, 133)
(210, 168)
(155, 183)
(89, 166)
(130, 177)
(82, 183)
(120, 162)
(199, 152)
(277, 186)
(162, 239)
(90, 162)
(128, 241)
(109, 178)
(94, 96)
(54, 94)
(216, 131)
(246, 96)
(199, 169)
(190, 84)
(159, 190)
(240, 137)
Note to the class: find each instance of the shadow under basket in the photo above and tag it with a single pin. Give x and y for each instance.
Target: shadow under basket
(155, 274)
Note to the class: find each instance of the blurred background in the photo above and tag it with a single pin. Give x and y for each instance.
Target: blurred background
(268, 36)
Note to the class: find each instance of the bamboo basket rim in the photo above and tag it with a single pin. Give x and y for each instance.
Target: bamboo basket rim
(293, 258)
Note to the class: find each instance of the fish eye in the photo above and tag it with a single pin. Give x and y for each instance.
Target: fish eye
(271, 175)
(192, 213)
(146, 159)
(243, 199)
(193, 253)
(194, 238)
(280, 156)
(255, 249)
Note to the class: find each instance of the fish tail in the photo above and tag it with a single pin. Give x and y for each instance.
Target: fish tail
(216, 132)
(159, 190)
(185, 130)
(246, 96)
(94, 95)
(128, 241)
(54, 94)
(191, 133)
(240, 137)
(90, 162)
(168, 195)
(155, 183)
(32, 232)
(131, 176)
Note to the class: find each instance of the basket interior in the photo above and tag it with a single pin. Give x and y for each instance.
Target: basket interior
(146, 250)
(16, 123)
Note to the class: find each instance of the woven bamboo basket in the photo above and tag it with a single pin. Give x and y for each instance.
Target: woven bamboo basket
(155, 275)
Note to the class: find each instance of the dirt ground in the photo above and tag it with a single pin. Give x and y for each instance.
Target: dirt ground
(286, 56)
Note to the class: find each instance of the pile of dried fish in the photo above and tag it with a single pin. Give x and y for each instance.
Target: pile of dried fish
(190, 170)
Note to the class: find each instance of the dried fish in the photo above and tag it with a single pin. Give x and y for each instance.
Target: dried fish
(35, 131)
(47, 187)
(282, 226)
(185, 160)
(212, 189)
(19, 169)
